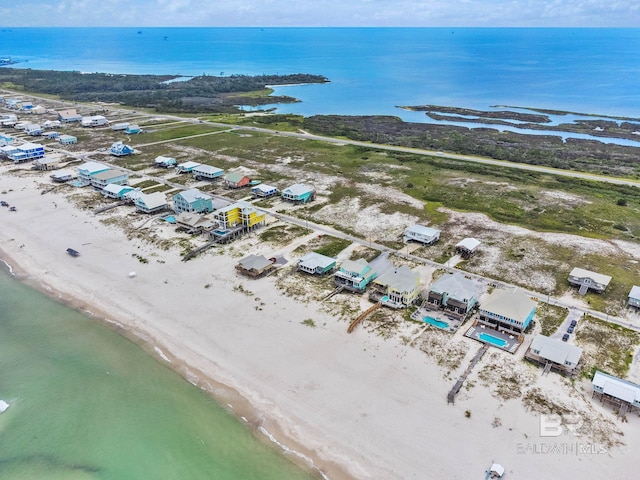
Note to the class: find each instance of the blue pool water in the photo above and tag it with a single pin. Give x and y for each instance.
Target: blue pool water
(170, 219)
(385, 298)
(498, 342)
(435, 322)
(221, 232)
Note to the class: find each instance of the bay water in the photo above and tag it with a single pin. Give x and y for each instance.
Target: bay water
(87, 403)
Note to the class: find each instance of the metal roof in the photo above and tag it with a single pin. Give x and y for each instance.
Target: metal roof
(511, 304)
(297, 189)
(556, 350)
(193, 194)
(234, 177)
(109, 174)
(152, 200)
(422, 230)
(635, 292)
(313, 260)
(617, 387)
(597, 277)
(468, 244)
(93, 167)
(207, 169)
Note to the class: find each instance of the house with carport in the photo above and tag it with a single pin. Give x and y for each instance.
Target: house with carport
(164, 162)
(187, 167)
(421, 234)
(263, 191)
(27, 152)
(616, 392)
(119, 149)
(298, 193)
(207, 172)
(69, 115)
(467, 247)
(588, 280)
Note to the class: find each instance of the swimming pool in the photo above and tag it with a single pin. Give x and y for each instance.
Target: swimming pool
(498, 342)
(385, 299)
(221, 233)
(169, 218)
(435, 322)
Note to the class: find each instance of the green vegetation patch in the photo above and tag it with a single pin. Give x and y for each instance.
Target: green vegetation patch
(550, 317)
(282, 234)
(607, 346)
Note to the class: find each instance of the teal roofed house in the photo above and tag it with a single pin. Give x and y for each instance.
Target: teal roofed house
(355, 275)
(87, 170)
(298, 193)
(192, 200)
(113, 190)
(316, 264)
(132, 129)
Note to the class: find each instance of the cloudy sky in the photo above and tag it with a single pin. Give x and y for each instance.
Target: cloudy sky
(264, 13)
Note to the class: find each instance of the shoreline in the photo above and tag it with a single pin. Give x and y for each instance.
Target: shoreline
(360, 406)
(226, 397)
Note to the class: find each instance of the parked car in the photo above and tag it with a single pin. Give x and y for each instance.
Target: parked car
(4, 204)
(570, 330)
(565, 337)
(574, 323)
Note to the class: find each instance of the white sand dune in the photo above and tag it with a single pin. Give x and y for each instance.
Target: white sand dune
(361, 406)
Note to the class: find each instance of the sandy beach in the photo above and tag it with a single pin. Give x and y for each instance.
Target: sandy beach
(355, 406)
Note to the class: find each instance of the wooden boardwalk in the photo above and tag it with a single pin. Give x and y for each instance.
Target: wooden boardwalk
(451, 396)
(362, 316)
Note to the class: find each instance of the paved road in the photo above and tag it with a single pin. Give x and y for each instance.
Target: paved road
(324, 229)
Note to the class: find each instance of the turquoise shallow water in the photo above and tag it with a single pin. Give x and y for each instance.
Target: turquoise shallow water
(86, 403)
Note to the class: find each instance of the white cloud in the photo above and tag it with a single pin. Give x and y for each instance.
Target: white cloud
(426, 13)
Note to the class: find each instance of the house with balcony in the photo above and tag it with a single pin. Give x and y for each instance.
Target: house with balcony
(109, 177)
(264, 191)
(453, 293)
(588, 280)
(554, 354)
(421, 234)
(186, 167)
(63, 176)
(46, 163)
(195, 223)
(151, 202)
(192, 200)
(116, 191)
(616, 392)
(87, 170)
(298, 193)
(26, 152)
(207, 172)
(164, 162)
(316, 264)
(239, 214)
(398, 287)
(33, 129)
(354, 275)
(508, 311)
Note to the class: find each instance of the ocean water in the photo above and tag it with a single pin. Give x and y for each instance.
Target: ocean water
(86, 403)
(372, 70)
